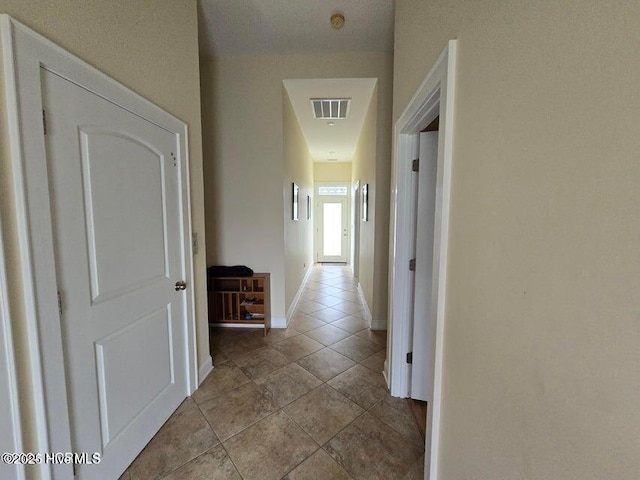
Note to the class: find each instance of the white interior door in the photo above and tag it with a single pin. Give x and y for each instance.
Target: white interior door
(116, 217)
(423, 313)
(333, 229)
(10, 436)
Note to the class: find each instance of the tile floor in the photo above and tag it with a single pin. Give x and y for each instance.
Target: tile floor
(304, 403)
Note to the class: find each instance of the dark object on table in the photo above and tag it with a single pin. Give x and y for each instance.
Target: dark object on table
(223, 271)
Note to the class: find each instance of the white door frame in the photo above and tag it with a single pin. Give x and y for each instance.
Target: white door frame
(25, 52)
(9, 383)
(317, 226)
(434, 97)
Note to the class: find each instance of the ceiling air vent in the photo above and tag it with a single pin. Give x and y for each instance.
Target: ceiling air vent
(327, 108)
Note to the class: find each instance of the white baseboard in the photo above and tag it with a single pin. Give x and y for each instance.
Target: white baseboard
(296, 299)
(205, 369)
(236, 325)
(279, 322)
(367, 311)
(385, 373)
(378, 324)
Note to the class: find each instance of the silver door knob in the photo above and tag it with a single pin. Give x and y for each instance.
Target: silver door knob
(181, 286)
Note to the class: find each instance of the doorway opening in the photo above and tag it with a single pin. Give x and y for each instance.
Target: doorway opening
(423, 277)
(332, 228)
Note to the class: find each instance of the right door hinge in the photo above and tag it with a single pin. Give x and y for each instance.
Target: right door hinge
(44, 121)
(410, 357)
(415, 165)
(59, 303)
(412, 265)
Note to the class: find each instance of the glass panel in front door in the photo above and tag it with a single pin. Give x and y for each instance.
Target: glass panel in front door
(332, 229)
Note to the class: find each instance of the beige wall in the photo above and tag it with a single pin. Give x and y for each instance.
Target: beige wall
(364, 171)
(152, 48)
(243, 146)
(541, 354)
(332, 172)
(298, 235)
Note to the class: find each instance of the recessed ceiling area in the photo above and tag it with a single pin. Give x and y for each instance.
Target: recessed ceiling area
(338, 141)
(244, 27)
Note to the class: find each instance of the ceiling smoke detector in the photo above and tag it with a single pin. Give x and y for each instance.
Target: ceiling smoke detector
(337, 21)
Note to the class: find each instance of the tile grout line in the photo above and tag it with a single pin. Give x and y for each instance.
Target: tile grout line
(322, 382)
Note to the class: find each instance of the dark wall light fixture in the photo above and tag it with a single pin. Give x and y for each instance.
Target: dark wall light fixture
(365, 202)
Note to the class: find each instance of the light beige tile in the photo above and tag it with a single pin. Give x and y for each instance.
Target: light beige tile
(238, 409)
(288, 383)
(212, 465)
(348, 295)
(219, 358)
(319, 466)
(309, 307)
(396, 413)
(328, 300)
(349, 308)
(259, 363)
(238, 346)
(328, 290)
(329, 315)
(368, 449)
(416, 472)
(297, 347)
(186, 404)
(313, 285)
(327, 334)
(270, 448)
(276, 335)
(375, 336)
(376, 361)
(351, 324)
(303, 322)
(181, 439)
(323, 412)
(326, 364)
(362, 385)
(356, 348)
(222, 379)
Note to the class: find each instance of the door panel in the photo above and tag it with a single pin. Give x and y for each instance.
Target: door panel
(114, 185)
(333, 230)
(123, 366)
(422, 366)
(105, 155)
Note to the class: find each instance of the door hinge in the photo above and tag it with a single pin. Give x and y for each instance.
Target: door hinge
(415, 165)
(410, 357)
(412, 265)
(73, 465)
(44, 121)
(59, 303)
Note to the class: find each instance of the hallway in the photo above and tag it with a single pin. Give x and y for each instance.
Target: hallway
(306, 402)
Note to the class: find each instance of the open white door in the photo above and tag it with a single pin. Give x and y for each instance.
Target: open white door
(333, 229)
(423, 314)
(115, 191)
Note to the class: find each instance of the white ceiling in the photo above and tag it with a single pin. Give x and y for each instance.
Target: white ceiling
(237, 27)
(322, 139)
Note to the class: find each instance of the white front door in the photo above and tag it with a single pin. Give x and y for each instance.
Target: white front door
(116, 216)
(423, 314)
(333, 229)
